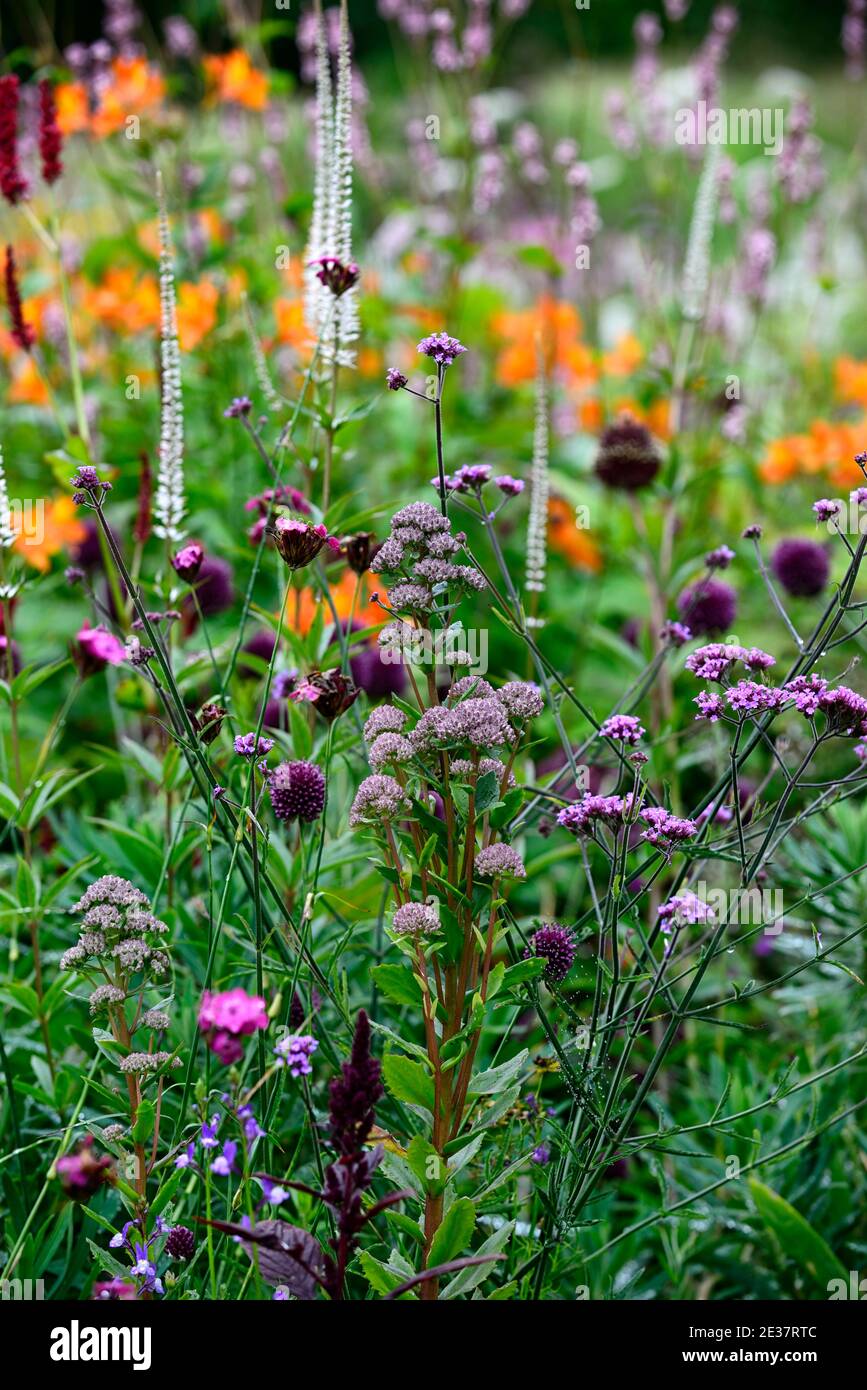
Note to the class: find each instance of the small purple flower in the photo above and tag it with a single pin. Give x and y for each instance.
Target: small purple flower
(827, 507)
(238, 407)
(442, 348)
(395, 380)
(294, 1052)
(624, 728)
(224, 1164)
(541, 1155)
(719, 559)
(187, 1158)
(247, 746)
(508, 485)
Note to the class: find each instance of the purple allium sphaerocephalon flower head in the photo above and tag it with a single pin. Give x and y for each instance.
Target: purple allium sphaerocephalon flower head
(627, 457)
(801, 566)
(297, 791)
(554, 944)
(708, 606)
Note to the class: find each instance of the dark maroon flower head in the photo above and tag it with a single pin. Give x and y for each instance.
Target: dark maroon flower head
(802, 567)
(260, 645)
(214, 591)
(335, 275)
(13, 184)
(354, 1094)
(299, 541)
(50, 140)
(22, 332)
(83, 1171)
(180, 1243)
(359, 550)
(708, 606)
(296, 1011)
(627, 457)
(553, 943)
(330, 692)
(209, 721)
(188, 561)
(297, 791)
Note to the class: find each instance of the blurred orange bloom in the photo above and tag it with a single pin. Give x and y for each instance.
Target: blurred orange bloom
(827, 447)
(135, 88)
(550, 326)
(73, 108)
(626, 355)
(304, 604)
(569, 540)
(124, 302)
(232, 77)
(291, 327)
(197, 312)
(42, 537)
(850, 379)
(593, 414)
(27, 386)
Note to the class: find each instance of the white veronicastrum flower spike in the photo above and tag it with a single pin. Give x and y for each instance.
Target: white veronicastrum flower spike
(537, 525)
(7, 535)
(169, 500)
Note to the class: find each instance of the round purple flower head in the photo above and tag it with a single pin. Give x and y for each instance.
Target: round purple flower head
(802, 567)
(441, 348)
(553, 943)
(394, 379)
(499, 861)
(413, 919)
(180, 1243)
(628, 457)
(297, 791)
(624, 728)
(709, 606)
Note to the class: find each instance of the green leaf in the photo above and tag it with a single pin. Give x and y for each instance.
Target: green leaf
(397, 984)
(487, 791)
(408, 1081)
(166, 1192)
(26, 886)
(454, 1234)
(498, 1078)
(469, 1279)
(404, 1223)
(108, 1263)
(380, 1278)
(524, 970)
(800, 1241)
(8, 802)
(429, 1167)
(144, 1122)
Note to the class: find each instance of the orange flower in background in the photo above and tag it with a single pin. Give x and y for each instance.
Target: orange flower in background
(73, 107)
(232, 77)
(304, 604)
(27, 386)
(569, 540)
(123, 301)
(370, 362)
(782, 459)
(135, 88)
(625, 357)
(552, 326)
(291, 326)
(46, 531)
(197, 312)
(850, 380)
(593, 414)
(828, 447)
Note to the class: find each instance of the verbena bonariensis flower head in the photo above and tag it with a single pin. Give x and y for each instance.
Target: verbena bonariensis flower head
(83, 1172)
(294, 1052)
(415, 919)
(23, 333)
(97, 648)
(708, 606)
(627, 457)
(554, 944)
(683, 908)
(719, 559)
(238, 408)
(88, 484)
(442, 348)
(623, 728)
(801, 566)
(354, 1094)
(249, 746)
(713, 662)
(827, 507)
(297, 791)
(379, 798)
(299, 541)
(50, 140)
(226, 1018)
(335, 275)
(13, 184)
(394, 379)
(187, 561)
